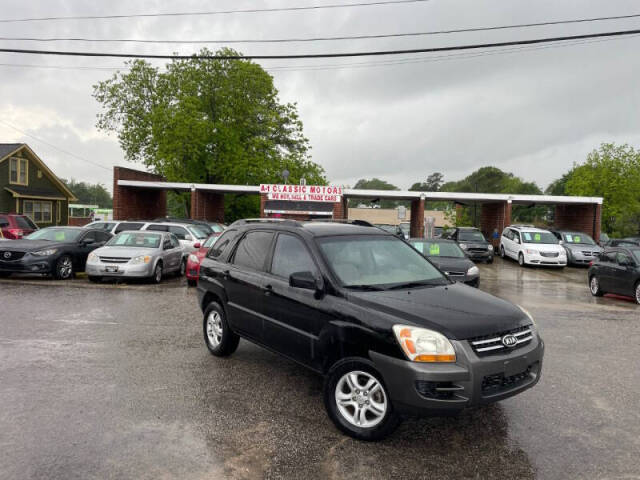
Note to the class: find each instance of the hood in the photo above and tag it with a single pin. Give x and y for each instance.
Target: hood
(452, 264)
(458, 311)
(124, 251)
(25, 245)
(577, 247)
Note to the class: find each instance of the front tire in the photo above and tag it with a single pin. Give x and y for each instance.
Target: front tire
(157, 273)
(218, 337)
(5, 274)
(521, 259)
(358, 403)
(502, 254)
(64, 268)
(594, 286)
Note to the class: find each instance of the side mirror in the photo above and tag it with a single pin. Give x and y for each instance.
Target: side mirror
(197, 245)
(561, 242)
(87, 242)
(307, 281)
(188, 238)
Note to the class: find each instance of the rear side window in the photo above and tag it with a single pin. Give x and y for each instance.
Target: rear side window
(174, 241)
(253, 250)
(179, 232)
(128, 226)
(24, 222)
(103, 236)
(222, 244)
(608, 257)
(158, 228)
(291, 256)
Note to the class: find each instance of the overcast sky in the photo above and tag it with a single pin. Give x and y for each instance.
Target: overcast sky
(533, 112)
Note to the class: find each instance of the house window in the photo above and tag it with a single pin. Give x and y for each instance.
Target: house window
(38, 211)
(19, 171)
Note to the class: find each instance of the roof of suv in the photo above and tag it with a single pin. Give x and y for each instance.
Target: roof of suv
(316, 229)
(528, 229)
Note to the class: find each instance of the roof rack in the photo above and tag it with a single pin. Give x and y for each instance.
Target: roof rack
(282, 221)
(362, 223)
(522, 225)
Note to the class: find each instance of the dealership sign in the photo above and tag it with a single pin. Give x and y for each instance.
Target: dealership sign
(302, 193)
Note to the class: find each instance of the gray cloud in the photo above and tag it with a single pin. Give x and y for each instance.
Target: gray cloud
(533, 112)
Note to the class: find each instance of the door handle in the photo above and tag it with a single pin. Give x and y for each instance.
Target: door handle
(226, 274)
(268, 289)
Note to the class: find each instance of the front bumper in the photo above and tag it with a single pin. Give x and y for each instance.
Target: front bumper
(537, 259)
(100, 269)
(432, 389)
(484, 256)
(579, 258)
(193, 270)
(28, 264)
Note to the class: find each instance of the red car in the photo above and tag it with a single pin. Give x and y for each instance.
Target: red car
(14, 226)
(193, 262)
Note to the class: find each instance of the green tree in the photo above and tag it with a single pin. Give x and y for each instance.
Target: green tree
(611, 172)
(90, 194)
(432, 184)
(559, 186)
(374, 184)
(209, 121)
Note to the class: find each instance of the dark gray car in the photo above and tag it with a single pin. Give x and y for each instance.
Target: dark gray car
(581, 248)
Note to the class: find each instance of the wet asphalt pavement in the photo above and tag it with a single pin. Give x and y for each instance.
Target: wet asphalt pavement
(115, 382)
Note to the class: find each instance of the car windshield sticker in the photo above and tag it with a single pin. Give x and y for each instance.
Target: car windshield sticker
(569, 238)
(59, 236)
(537, 237)
(527, 236)
(434, 249)
(576, 239)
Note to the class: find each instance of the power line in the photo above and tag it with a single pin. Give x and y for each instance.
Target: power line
(373, 53)
(214, 12)
(318, 39)
(53, 146)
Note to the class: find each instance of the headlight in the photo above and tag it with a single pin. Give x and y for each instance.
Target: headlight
(92, 257)
(527, 314)
(530, 251)
(140, 259)
(46, 253)
(423, 345)
(473, 271)
(463, 246)
(491, 248)
(193, 259)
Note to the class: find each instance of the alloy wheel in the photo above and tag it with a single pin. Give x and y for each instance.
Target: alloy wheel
(521, 260)
(65, 267)
(214, 328)
(158, 274)
(361, 399)
(594, 285)
(638, 293)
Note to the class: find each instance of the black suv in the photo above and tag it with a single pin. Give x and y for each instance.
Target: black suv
(390, 333)
(472, 241)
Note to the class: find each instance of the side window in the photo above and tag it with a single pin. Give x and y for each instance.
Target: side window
(623, 258)
(90, 237)
(174, 241)
(253, 250)
(4, 221)
(609, 257)
(179, 232)
(166, 243)
(291, 256)
(128, 226)
(103, 236)
(222, 243)
(158, 228)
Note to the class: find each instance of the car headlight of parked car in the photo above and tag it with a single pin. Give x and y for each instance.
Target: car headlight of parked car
(463, 246)
(92, 257)
(140, 259)
(423, 345)
(490, 247)
(526, 312)
(531, 251)
(473, 271)
(46, 253)
(193, 259)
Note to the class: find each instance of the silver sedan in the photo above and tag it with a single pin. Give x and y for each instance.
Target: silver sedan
(141, 254)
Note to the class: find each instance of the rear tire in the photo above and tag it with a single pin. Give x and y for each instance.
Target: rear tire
(218, 337)
(594, 287)
(638, 293)
(358, 403)
(182, 271)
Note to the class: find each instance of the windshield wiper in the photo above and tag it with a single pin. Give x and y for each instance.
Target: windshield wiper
(367, 288)
(415, 284)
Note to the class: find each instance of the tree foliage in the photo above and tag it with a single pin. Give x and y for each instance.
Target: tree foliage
(432, 183)
(373, 184)
(90, 194)
(209, 121)
(611, 172)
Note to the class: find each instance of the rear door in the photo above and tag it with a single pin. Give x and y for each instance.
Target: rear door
(623, 273)
(244, 280)
(175, 254)
(293, 316)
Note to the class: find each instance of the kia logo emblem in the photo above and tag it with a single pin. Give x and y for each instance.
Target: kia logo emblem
(509, 340)
(7, 254)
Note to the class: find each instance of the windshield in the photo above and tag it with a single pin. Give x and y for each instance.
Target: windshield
(604, 237)
(471, 236)
(580, 238)
(636, 254)
(199, 231)
(216, 227)
(56, 234)
(371, 262)
(210, 241)
(438, 249)
(135, 240)
(539, 237)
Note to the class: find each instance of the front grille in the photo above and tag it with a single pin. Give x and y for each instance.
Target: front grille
(477, 249)
(115, 259)
(11, 255)
(497, 383)
(549, 254)
(438, 390)
(490, 344)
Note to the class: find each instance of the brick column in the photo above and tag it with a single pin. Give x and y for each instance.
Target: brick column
(340, 210)
(495, 216)
(581, 218)
(416, 229)
(132, 203)
(208, 206)
(263, 201)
